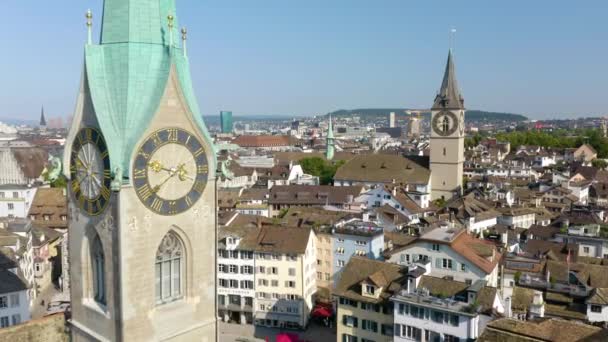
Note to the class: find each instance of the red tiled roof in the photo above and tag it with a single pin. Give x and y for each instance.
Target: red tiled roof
(262, 140)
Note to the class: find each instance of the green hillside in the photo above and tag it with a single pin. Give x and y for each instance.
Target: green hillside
(471, 115)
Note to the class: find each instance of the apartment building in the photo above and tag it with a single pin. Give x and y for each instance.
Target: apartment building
(285, 276)
(364, 311)
(236, 278)
(14, 300)
(15, 200)
(355, 237)
(453, 254)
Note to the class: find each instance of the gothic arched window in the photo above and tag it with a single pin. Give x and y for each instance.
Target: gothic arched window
(98, 268)
(169, 269)
(445, 124)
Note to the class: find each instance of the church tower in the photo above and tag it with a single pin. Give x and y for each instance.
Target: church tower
(142, 194)
(42, 123)
(330, 148)
(447, 137)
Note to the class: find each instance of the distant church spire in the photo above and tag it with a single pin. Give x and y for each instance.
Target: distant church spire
(329, 153)
(42, 119)
(449, 96)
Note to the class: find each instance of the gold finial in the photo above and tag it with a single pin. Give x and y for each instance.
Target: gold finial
(170, 25)
(170, 19)
(89, 16)
(184, 33)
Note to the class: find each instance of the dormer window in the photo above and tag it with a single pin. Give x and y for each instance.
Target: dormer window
(370, 290)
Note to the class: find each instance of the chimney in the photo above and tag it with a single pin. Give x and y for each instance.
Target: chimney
(537, 308)
(508, 312)
(365, 217)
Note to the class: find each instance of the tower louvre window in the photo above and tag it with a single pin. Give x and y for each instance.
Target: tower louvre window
(98, 267)
(169, 269)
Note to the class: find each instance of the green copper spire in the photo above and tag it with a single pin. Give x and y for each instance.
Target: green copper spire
(137, 21)
(329, 153)
(128, 72)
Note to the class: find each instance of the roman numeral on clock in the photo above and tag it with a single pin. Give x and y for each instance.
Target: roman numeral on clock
(144, 192)
(157, 204)
(139, 174)
(172, 134)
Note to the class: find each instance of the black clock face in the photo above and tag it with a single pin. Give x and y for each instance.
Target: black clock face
(445, 123)
(90, 171)
(170, 171)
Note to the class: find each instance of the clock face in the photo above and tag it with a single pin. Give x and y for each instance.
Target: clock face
(445, 123)
(170, 171)
(461, 124)
(90, 171)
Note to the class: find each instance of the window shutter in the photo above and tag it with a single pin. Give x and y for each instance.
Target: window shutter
(344, 319)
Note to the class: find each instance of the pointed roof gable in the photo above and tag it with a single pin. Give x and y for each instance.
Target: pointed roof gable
(449, 96)
(42, 118)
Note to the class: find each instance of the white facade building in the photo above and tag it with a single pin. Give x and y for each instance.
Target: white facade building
(15, 200)
(451, 256)
(236, 281)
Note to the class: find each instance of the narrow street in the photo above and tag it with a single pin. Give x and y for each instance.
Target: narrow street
(48, 295)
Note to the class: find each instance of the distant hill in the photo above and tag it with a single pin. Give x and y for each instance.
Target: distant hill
(471, 115)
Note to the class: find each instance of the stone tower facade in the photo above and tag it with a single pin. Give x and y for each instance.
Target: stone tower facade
(447, 137)
(142, 193)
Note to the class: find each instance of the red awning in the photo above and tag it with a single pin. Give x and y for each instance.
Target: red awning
(287, 337)
(321, 312)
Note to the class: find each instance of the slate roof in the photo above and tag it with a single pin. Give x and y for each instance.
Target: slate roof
(542, 232)
(278, 240)
(599, 297)
(449, 96)
(548, 329)
(312, 194)
(440, 287)
(31, 160)
(10, 282)
(52, 202)
(383, 168)
(559, 250)
(263, 140)
(592, 275)
(467, 206)
(359, 269)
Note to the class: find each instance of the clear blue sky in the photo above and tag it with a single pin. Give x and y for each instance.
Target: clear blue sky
(542, 58)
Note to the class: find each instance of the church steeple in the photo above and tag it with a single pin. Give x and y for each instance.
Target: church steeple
(449, 96)
(42, 118)
(128, 71)
(141, 21)
(329, 153)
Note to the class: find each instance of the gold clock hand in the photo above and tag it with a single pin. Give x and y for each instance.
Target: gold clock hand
(157, 187)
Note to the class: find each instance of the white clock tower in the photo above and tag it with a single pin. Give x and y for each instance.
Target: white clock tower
(447, 137)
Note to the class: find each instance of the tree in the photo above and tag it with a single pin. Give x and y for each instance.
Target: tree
(321, 168)
(599, 163)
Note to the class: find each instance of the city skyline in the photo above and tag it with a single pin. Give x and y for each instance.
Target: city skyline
(313, 58)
